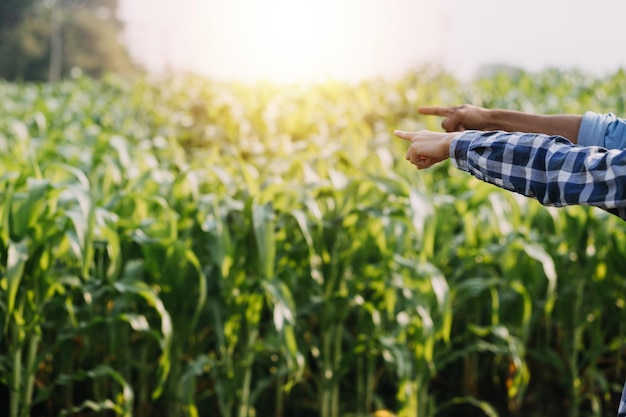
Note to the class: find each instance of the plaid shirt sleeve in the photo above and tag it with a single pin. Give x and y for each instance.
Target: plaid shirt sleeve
(548, 168)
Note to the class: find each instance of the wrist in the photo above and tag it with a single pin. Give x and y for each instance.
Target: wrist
(492, 119)
(447, 141)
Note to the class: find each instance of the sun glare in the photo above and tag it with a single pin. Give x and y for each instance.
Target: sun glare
(290, 26)
(295, 40)
(288, 40)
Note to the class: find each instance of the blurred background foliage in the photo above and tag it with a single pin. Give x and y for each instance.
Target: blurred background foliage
(47, 40)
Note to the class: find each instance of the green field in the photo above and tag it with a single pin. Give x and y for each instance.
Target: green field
(181, 247)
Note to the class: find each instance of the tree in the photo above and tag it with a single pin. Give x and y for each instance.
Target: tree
(48, 40)
(12, 10)
(24, 47)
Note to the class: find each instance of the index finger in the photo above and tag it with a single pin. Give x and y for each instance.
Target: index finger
(408, 136)
(436, 110)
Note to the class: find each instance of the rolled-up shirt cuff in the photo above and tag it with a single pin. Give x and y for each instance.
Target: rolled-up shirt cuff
(593, 129)
(605, 130)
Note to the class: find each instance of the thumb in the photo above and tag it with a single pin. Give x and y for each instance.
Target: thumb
(454, 123)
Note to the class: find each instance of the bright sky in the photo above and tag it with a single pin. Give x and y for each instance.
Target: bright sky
(294, 40)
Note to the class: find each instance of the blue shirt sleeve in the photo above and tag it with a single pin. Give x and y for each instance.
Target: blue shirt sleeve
(604, 130)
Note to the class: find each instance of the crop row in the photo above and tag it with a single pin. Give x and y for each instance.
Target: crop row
(183, 247)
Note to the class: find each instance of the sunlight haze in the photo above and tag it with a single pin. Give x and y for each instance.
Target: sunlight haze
(310, 40)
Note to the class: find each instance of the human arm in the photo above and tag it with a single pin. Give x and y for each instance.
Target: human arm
(468, 117)
(548, 168)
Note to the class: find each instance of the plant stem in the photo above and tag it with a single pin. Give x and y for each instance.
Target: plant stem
(173, 384)
(143, 400)
(31, 368)
(16, 383)
(227, 358)
(280, 396)
(361, 383)
(244, 409)
(369, 396)
(575, 336)
(326, 371)
(336, 366)
(16, 380)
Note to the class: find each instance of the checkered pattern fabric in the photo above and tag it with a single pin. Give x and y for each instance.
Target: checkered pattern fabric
(549, 168)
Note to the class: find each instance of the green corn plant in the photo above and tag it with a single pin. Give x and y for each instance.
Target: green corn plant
(320, 273)
(47, 227)
(20, 325)
(242, 300)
